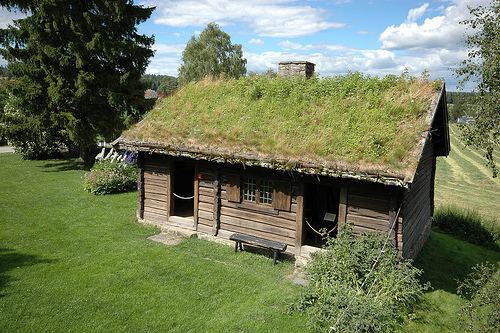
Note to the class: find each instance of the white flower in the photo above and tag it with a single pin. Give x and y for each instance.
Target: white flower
(100, 156)
(109, 154)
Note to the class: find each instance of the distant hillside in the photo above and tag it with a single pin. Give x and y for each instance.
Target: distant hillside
(464, 180)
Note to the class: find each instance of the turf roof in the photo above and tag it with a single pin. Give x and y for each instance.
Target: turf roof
(350, 123)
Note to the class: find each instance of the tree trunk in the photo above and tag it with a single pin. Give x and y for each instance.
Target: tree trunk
(87, 155)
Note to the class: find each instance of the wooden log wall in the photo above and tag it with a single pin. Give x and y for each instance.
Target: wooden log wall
(418, 204)
(207, 197)
(154, 174)
(368, 207)
(259, 220)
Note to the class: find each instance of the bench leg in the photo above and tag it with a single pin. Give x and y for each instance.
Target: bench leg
(236, 246)
(276, 253)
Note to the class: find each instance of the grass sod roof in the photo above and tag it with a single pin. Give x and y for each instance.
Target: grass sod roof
(345, 126)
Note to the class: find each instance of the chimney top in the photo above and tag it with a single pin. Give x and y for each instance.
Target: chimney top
(296, 68)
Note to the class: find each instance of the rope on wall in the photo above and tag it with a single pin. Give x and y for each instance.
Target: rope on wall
(183, 198)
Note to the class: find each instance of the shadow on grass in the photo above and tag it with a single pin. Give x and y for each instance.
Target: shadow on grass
(10, 260)
(446, 260)
(64, 164)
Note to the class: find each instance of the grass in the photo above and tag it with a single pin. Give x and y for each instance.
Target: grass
(464, 189)
(353, 119)
(444, 260)
(464, 180)
(75, 262)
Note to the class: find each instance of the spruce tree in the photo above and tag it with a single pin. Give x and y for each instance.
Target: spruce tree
(78, 66)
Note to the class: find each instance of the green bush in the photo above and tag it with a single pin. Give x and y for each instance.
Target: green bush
(358, 284)
(467, 225)
(47, 146)
(113, 175)
(481, 313)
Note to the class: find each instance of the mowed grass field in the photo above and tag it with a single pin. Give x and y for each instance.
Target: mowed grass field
(464, 180)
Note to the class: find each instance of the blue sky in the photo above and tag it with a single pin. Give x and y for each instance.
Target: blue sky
(376, 37)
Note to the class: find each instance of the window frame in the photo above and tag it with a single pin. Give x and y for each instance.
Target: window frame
(259, 195)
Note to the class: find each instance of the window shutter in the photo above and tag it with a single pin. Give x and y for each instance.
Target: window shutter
(233, 192)
(282, 195)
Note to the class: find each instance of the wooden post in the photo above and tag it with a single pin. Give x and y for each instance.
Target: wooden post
(342, 219)
(393, 211)
(170, 189)
(216, 212)
(196, 196)
(299, 222)
(140, 186)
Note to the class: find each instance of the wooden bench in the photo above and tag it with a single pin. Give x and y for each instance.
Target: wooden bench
(276, 247)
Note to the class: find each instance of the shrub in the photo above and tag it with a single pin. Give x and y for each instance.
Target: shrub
(481, 313)
(358, 284)
(47, 146)
(114, 174)
(467, 225)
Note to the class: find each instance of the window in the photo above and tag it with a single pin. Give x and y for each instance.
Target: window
(250, 189)
(258, 191)
(266, 191)
(253, 190)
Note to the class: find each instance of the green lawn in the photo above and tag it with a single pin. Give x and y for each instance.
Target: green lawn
(75, 262)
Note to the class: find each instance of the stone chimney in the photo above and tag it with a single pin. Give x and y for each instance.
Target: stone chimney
(296, 68)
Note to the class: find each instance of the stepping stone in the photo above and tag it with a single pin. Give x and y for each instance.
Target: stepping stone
(167, 239)
(300, 281)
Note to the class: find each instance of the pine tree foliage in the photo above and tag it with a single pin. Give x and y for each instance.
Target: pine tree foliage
(211, 53)
(483, 67)
(78, 66)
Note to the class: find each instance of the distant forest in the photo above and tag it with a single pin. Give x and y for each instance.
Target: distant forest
(460, 104)
(162, 84)
(452, 97)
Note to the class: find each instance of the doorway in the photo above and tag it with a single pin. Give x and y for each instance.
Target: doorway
(321, 214)
(183, 188)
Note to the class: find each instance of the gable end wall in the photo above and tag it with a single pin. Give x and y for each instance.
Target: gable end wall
(418, 207)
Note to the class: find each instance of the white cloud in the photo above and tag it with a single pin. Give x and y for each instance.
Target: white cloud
(440, 32)
(256, 41)
(287, 45)
(176, 49)
(365, 32)
(415, 14)
(264, 17)
(7, 17)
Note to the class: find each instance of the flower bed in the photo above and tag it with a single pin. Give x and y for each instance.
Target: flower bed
(112, 174)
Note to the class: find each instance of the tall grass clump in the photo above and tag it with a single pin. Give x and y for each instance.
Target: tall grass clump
(358, 285)
(468, 225)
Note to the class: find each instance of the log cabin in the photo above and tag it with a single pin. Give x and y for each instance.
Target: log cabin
(217, 157)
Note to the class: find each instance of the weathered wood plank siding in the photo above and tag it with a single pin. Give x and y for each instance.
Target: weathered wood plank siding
(418, 204)
(368, 207)
(154, 169)
(259, 220)
(206, 197)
